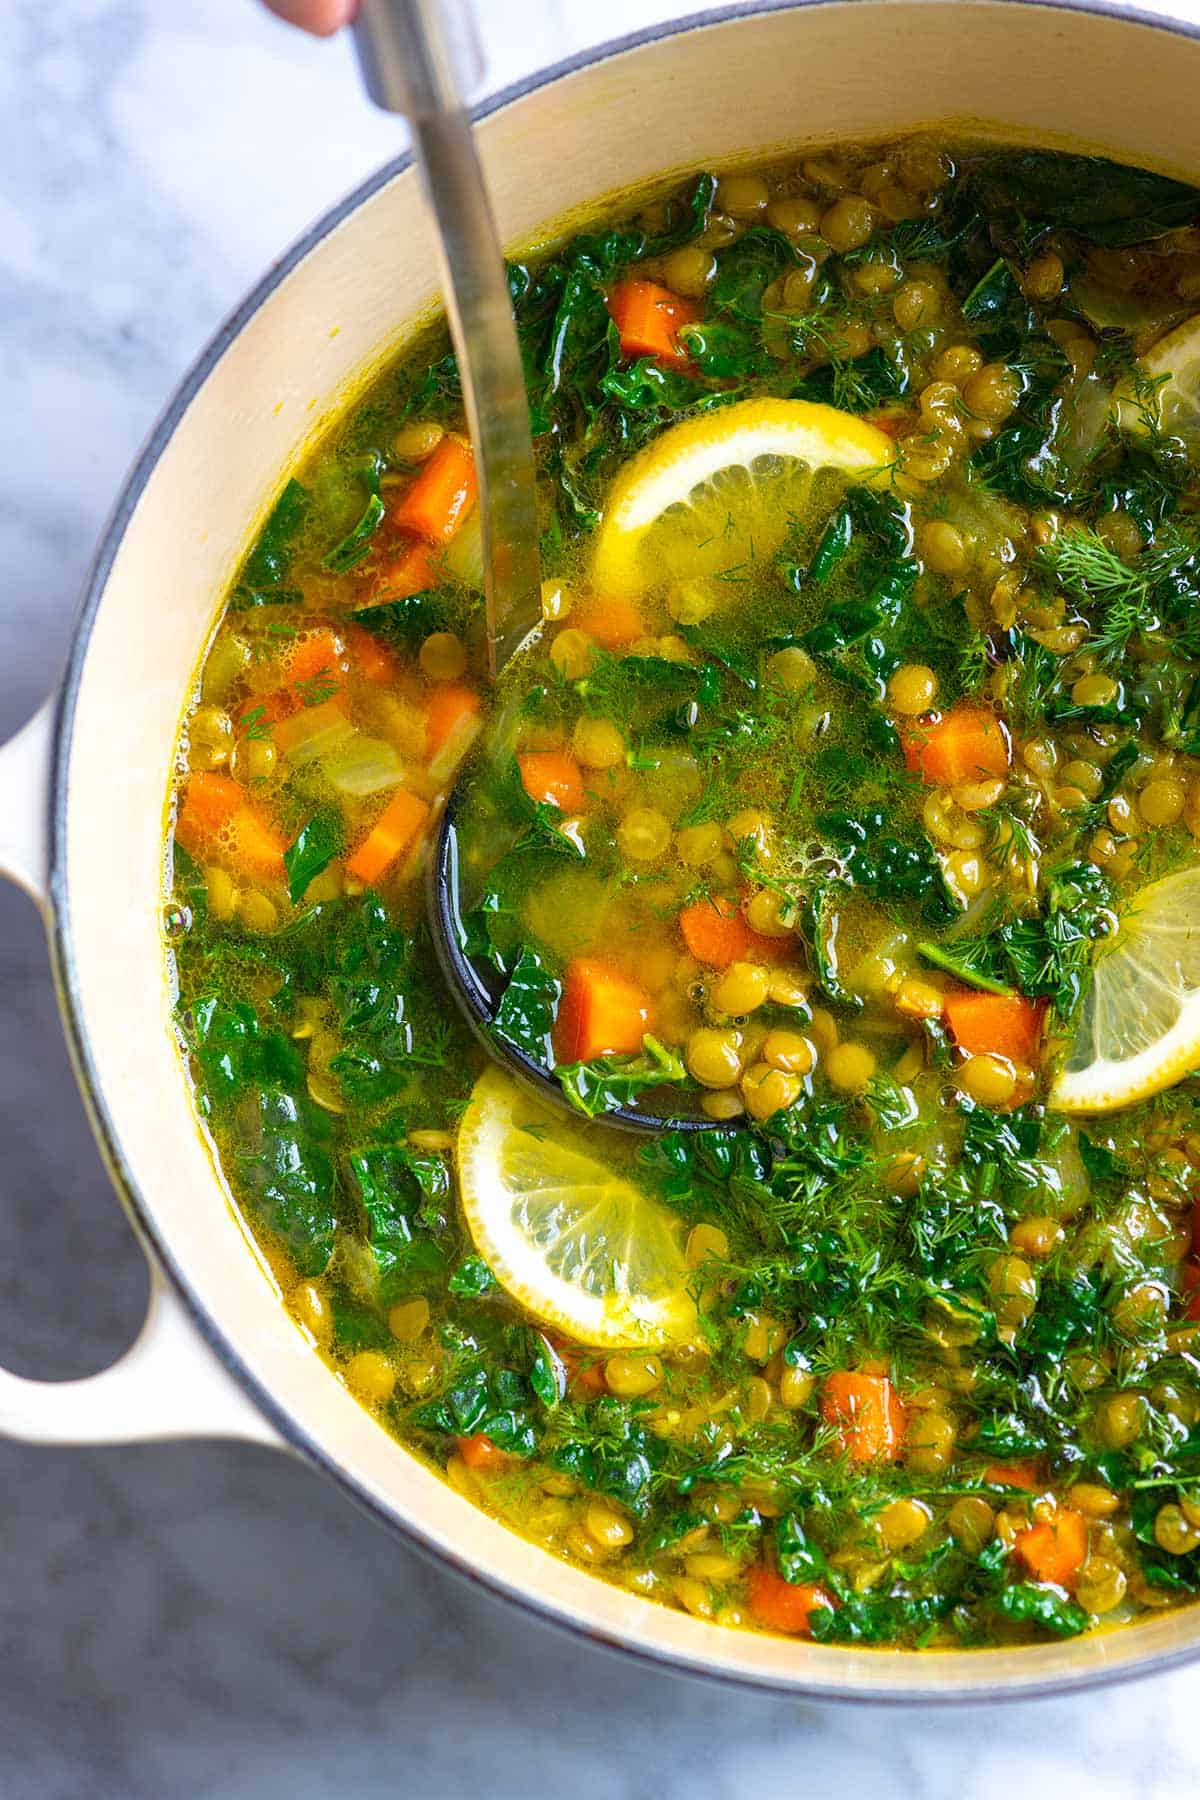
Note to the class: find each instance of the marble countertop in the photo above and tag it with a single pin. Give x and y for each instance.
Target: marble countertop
(198, 1619)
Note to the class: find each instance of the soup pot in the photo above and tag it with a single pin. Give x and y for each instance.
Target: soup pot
(218, 1354)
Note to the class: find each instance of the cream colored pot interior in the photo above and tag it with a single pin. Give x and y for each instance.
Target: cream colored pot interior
(703, 97)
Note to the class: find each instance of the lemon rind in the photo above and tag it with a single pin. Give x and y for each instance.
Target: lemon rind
(610, 1322)
(1174, 356)
(1161, 913)
(804, 431)
(1106, 1086)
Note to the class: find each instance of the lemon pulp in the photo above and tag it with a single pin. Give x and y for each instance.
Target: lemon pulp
(567, 1236)
(1139, 1027)
(1174, 405)
(720, 490)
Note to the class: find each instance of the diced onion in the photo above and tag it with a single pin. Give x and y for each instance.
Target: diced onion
(463, 555)
(458, 742)
(1085, 423)
(892, 955)
(364, 765)
(319, 732)
(1137, 312)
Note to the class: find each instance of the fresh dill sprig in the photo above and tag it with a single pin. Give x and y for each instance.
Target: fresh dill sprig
(256, 727)
(974, 662)
(1116, 357)
(852, 392)
(1034, 673)
(1009, 831)
(911, 240)
(265, 646)
(1126, 599)
(319, 687)
(784, 1455)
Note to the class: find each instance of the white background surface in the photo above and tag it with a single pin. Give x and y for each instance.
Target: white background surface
(209, 1620)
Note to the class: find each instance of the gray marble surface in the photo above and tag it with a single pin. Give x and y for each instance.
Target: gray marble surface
(204, 1620)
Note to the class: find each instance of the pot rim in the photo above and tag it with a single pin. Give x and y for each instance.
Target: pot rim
(296, 1435)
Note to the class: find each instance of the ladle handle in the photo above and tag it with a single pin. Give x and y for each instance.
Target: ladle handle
(420, 57)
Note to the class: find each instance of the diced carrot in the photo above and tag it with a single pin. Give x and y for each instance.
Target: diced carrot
(552, 777)
(443, 767)
(311, 670)
(609, 620)
(584, 1377)
(1006, 1025)
(316, 664)
(391, 839)
(1025, 1474)
(216, 819)
(601, 1013)
(255, 846)
(867, 1413)
(965, 744)
(589, 1381)
(716, 933)
(209, 802)
(1189, 1272)
(893, 421)
(449, 702)
(648, 316)
(310, 723)
(479, 1452)
(268, 710)
(452, 723)
(373, 660)
(411, 569)
(441, 496)
(1055, 1550)
(784, 1605)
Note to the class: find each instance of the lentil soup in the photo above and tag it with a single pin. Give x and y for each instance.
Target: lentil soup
(848, 802)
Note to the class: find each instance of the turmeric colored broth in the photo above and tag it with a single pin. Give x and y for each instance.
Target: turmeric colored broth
(820, 843)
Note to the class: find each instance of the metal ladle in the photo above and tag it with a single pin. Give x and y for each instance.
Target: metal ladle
(420, 58)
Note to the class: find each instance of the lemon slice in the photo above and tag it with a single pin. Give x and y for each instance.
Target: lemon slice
(565, 1234)
(1174, 406)
(1139, 1031)
(720, 490)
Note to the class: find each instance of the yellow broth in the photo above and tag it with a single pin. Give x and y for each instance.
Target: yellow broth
(818, 841)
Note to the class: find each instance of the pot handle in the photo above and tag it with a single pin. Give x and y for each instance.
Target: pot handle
(25, 774)
(169, 1383)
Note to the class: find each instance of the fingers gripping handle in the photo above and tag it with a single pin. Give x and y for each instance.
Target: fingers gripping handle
(168, 1384)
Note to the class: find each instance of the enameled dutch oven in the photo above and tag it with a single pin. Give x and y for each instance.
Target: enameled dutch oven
(218, 1355)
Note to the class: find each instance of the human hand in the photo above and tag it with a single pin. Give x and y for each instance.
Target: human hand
(323, 17)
